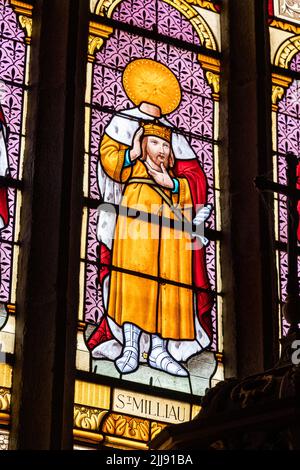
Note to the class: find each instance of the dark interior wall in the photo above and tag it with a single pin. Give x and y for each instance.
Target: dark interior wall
(248, 260)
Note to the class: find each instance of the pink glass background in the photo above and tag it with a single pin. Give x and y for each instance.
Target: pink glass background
(12, 72)
(149, 14)
(288, 140)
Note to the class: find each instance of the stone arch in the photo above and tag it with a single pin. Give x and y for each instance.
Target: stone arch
(206, 37)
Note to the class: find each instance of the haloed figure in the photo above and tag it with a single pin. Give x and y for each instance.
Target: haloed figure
(165, 310)
(147, 165)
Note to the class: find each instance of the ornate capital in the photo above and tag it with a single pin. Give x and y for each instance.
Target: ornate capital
(214, 80)
(279, 84)
(97, 34)
(277, 95)
(26, 24)
(209, 63)
(4, 399)
(211, 66)
(87, 423)
(24, 13)
(87, 418)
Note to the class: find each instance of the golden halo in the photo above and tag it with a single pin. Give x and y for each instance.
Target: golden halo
(151, 81)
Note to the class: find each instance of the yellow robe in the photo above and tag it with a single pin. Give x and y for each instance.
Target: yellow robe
(151, 250)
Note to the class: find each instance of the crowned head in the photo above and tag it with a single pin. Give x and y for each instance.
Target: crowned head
(156, 129)
(156, 145)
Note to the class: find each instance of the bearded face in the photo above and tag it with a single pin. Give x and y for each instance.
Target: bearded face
(157, 150)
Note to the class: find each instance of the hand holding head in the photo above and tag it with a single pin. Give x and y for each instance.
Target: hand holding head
(136, 150)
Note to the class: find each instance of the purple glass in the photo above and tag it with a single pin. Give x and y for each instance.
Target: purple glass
(93, 305)
(288, 140)
(141, 13)
(283, 261)
(194, 117)
(7, 232)
(92, 243)
(149, 14)
(12, 56)
(172, 23)
(5, 268)
(295, 63)
(9, 26)
(12, 73)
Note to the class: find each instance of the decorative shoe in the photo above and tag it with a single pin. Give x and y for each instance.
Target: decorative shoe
(128, 362)
(163, 361)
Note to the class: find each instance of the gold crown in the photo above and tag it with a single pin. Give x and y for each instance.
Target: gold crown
(158, 131)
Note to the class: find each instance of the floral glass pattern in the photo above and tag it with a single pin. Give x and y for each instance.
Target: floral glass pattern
(12, 79)
(14, 57)
(285, 57)
(161, 34)
(288, 141)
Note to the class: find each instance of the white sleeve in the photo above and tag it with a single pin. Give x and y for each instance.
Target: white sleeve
(111, 193)
(181, 148)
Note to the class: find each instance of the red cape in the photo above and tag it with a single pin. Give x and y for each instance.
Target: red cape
(192, 171)
(2, 118)
(3, 191)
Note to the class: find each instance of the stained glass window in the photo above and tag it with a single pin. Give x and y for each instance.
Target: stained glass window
(149, 335)
(15, 32)
(284, 22)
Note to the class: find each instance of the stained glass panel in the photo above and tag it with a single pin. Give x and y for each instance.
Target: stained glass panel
(288, 140)
(133, 326)
(14, 57)
(286, 122)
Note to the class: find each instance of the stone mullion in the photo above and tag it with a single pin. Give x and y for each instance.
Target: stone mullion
(47, 291)
(245, 151)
